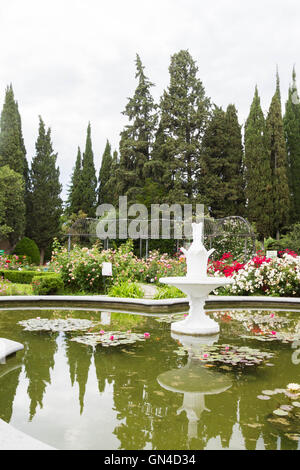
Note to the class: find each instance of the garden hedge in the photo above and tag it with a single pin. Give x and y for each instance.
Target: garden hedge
(47, 284)
(29, 248)
(20, 277)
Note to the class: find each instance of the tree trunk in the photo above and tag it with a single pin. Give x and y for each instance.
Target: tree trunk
(42, 256)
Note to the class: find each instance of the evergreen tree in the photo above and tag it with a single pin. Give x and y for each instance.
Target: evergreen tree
(12, 206)
(104, 174)
(278, 156)
(111, 187)
(75, 191)
(11, 145)
(185, 111)
(46, 189)
(137, 138)
(88, 178)
(235, 169)
(292, 135)
(221, 178)
(258, 170)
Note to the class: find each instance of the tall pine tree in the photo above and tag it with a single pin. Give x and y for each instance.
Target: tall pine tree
(279, 167)
(88, 178)
(46, 189)
(185, 110)
(258, 170)
(137, 138)
(292, 135)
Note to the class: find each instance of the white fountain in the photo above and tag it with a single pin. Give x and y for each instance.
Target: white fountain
(197, 285)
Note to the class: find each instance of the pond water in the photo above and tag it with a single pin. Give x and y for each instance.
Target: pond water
(156, 393)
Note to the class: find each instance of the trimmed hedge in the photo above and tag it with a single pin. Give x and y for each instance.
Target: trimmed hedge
(29, 248)
(47, 284)
(20, 277)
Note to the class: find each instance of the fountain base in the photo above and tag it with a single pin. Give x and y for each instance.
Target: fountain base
(197, 323)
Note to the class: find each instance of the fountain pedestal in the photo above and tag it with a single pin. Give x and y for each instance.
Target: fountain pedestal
(196, 285)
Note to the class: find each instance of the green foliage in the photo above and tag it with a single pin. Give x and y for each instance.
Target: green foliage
(221, 176)
(47, 284)
(278, 155)
(258, 170)
(292, 135)
(88, 181)
(185, 111)
(11, 148)
(168, 292)
(20, 277)
(75, 196)
(104, 175)
(46, 189)
(137, 138)
(12, 206)
(29, 248)
(126, 289)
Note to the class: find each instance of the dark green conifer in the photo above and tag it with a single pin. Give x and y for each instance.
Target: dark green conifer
(46, 189)
(279, 167)
(88, 178)
(104, 175)
(258, 170)
(75, 191)
(137, 138)
(292, 136)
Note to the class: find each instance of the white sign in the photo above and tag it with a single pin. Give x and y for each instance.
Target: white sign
(271, 254)
(106, 269)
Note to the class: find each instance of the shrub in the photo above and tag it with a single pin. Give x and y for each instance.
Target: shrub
(29, 248)
(47, 284)
(20, 277)
(127, 289)
(168, 292)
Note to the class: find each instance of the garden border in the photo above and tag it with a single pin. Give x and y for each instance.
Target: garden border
(147, 305)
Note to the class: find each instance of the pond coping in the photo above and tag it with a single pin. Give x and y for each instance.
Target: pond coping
(13, 439)
(147, 305)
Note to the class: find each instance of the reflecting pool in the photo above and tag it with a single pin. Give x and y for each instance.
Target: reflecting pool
(158, 393)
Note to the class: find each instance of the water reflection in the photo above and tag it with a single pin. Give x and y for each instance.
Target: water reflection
(194, 381)
(138, 397)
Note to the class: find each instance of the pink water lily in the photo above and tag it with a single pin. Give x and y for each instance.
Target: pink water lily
(101, 332)
(146, 335)
(273, 332)
(111, 337)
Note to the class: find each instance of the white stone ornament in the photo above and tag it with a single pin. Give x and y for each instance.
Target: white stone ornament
(197, 285)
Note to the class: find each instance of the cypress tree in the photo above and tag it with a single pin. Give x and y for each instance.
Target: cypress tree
(12, 206)
(104, 174)
(235, 203)
(214, 163)
(46, 189)
(11, 146)
(75, 191)
(111, 187)
(258, 170)
(137, 138)
(88, 178)
(221, 177)
(292, 135)
(185, 111)
(278, 158)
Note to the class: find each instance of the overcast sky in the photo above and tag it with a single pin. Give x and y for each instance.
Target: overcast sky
(73, 61)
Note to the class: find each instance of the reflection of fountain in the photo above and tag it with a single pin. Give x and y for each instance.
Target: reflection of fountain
(194, 381)
(197, 285)
(105, 318)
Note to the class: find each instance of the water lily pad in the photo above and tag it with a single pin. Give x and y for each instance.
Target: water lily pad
(269, 392)
(296, 404)
(280, 412)
(110, 338)
(56, 325)
(286, 407)
(263, 397)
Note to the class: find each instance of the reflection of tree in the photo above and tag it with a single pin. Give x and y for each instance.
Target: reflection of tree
(38, 359)
(79, 360)
(9, 380)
